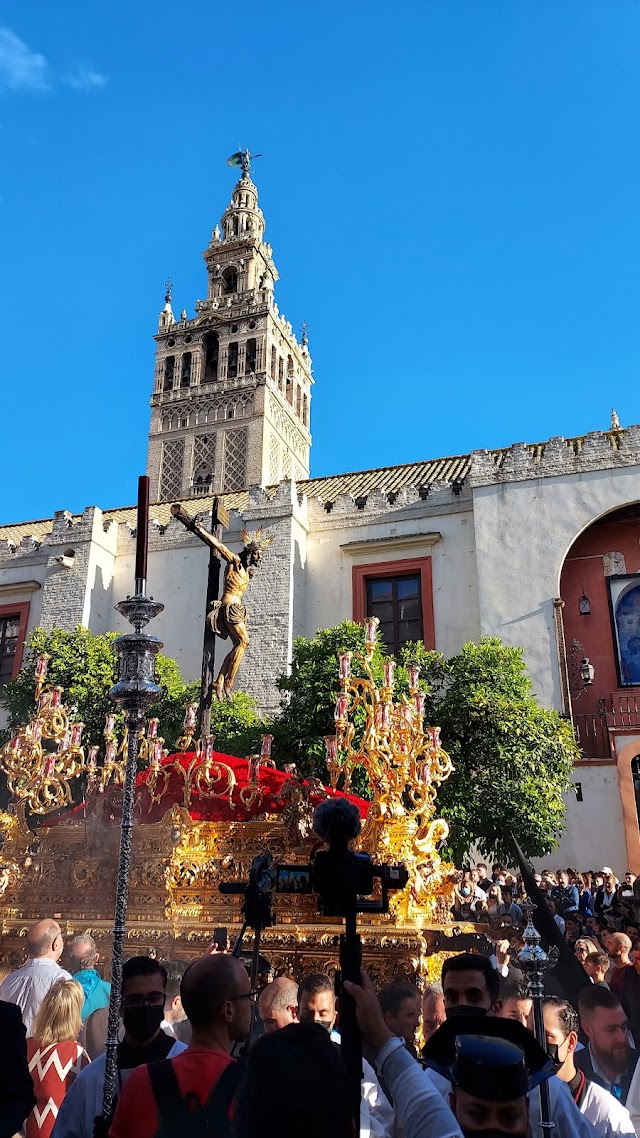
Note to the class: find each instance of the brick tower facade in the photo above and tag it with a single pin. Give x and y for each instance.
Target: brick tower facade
(232, 388)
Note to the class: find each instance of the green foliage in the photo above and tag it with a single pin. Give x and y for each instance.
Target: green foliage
(306, 713)
(513, 758)
(237, 726)
(85, 665)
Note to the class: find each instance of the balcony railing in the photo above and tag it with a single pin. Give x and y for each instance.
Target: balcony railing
(620, 710)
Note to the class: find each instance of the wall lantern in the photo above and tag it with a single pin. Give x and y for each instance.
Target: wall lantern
(587, 672)
(584, 605)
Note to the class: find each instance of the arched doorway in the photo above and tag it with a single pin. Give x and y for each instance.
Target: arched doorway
(600, 591)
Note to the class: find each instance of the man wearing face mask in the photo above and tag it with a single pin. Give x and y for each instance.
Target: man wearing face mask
(142, 1010)
(562, 1025)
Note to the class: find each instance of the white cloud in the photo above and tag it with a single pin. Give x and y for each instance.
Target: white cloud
(21, 69)
(85, 79)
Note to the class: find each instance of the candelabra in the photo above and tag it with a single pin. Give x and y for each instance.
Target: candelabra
(534, 963)
(401, 756)
(404, 761)
(43, 757)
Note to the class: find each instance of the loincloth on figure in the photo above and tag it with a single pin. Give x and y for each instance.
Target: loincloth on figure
(222, 617)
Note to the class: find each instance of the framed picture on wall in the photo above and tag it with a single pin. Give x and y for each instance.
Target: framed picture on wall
(624, 604)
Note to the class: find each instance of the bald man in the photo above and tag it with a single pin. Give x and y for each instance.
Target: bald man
(278, 1004)
(28, 986)
(217, 997)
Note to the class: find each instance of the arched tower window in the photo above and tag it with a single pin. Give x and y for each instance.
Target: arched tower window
(272, 365)
(305, 410)
(185, 372)
(211, 357)
(230, 277)
(250, 359)
(232, 365)
(281, 372)
(298, 400)
(169, 368)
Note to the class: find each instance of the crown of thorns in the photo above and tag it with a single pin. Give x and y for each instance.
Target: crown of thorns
(255, 540)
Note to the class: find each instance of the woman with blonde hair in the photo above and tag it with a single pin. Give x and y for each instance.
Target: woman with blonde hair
(584, 947)
(55, 1058)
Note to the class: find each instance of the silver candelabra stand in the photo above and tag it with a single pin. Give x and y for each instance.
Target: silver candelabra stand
(134, 692)
(534, 963)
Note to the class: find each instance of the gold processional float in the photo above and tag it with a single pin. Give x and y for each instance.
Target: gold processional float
(200, 819)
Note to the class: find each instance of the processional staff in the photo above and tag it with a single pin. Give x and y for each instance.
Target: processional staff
(134, 692)
(535, 962)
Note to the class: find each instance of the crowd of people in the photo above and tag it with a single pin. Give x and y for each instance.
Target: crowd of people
(452, 1058)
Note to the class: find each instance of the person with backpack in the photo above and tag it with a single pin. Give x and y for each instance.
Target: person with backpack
(142, 1009)
(192, 1095)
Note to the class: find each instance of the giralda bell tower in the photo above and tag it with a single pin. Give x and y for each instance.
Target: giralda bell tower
(232, 388)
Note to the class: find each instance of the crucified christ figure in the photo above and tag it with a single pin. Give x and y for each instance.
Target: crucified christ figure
(227, 618)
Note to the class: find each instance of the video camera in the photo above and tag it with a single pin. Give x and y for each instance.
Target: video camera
(343, 882)
(341, 879)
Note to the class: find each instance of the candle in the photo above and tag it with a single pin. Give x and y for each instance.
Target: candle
(371, 629)
(76, 733)
(345, 665)
(56, 696)
(208, 748)
(190, 716)
(111, 751)
(331, 747)
(265, 750)
(389, 673)
(385, 715)
(49, 765)
(419, 698)
(435, 737)
(142, 533)
(36, 731)
(414, 673)
(157, 752)
(64, 742)
(109, 724)
(93, 758)
(152, 731)
(340, 713)
(41, 666)
(254, 768)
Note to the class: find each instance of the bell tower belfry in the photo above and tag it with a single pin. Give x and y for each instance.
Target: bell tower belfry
(232, 387)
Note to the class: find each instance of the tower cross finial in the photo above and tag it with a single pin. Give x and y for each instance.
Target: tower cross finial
(169, 286)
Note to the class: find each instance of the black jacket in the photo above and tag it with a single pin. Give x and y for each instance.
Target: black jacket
(17, 1099)
(582, 1060)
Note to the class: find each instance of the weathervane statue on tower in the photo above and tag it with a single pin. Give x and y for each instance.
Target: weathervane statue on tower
(243, 158)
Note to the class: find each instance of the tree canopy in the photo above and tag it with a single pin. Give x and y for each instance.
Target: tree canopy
(85, 665)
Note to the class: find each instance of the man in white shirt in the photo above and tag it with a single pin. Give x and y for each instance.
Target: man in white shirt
(28, 986)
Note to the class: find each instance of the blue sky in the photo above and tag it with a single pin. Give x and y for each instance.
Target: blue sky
(451, 187)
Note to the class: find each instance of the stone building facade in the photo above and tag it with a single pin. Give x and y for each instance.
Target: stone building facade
(498, 542)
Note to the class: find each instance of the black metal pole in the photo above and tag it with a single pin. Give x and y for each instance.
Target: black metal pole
(351, 1041)
(135, 691)
(119, 926)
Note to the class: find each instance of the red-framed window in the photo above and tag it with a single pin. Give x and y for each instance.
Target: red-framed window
(400, 594)
(13, 631)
